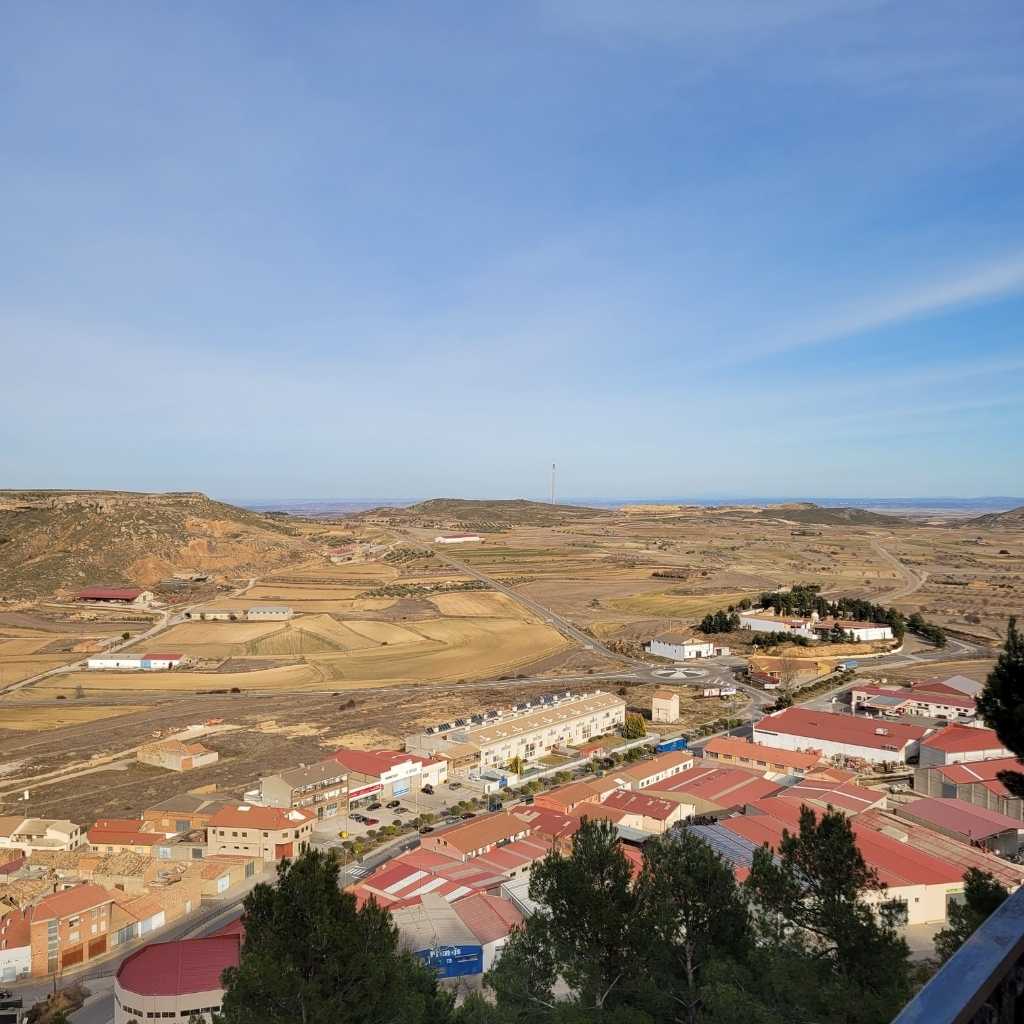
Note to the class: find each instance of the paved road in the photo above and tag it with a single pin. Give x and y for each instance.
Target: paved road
(563, 625)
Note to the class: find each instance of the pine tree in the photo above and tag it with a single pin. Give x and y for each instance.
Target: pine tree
(1001, 703)
(310, 957)
(982, 895)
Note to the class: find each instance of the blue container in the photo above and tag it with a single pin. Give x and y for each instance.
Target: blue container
(680, 743)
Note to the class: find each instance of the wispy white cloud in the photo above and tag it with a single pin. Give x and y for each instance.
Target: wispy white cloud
(985, 282)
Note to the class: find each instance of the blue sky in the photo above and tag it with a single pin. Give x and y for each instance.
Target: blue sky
(394, 249)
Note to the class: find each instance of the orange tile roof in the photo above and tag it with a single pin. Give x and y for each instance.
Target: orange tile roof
(484, 831)
(253, 816)
(71, 901)
(733, 746)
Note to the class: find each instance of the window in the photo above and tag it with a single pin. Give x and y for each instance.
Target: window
(182, 825)
(197, 853)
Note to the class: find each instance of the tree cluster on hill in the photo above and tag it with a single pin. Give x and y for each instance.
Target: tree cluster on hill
(720, 622)
(805, 599)
(926, 630)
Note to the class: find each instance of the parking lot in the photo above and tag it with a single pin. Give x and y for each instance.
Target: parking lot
(411, 806)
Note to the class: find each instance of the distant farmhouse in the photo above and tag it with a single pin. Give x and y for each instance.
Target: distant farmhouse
(115, 595)
(681, 647)
(269, 613)
(160, 661)
(766, 623)
(456, 538)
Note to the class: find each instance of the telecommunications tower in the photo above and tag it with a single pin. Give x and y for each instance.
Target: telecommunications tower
(552, 483)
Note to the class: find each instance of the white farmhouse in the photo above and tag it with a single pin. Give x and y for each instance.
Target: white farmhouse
(678, 648)
(764, 623)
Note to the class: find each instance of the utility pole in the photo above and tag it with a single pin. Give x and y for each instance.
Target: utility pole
(552, 483)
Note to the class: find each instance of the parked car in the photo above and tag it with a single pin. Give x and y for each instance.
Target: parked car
(372, 821)
(392, 804)
(375, 806)
(468, 815)
(452, 820)
(428, 789)
(455, 785)
(358, 817)
(425, 829)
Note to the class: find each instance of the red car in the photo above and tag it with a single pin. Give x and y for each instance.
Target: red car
(370, 822)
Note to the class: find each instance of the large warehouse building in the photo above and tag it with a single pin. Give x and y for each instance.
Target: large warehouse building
(840, 735)
(527, 731)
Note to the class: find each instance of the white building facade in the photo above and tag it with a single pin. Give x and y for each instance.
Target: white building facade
(681, 651)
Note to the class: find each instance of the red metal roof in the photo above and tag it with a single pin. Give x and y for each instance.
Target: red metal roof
(843, 796)
(179, 968)
(641, 803)
(896, 863)
(849, 729)
(947, 848)
(109, 593)
(489, 918)
(977, 771)
(372, 762)
(961, 739)
(724, 786)
(961, 817)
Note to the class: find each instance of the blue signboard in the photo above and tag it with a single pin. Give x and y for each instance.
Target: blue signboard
(453, 961)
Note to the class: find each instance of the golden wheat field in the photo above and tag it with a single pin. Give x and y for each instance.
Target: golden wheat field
(480, 602)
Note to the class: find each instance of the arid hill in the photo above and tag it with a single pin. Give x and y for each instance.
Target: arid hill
(808, 512)
(481, 515)
(54, 542)
(1011, 519)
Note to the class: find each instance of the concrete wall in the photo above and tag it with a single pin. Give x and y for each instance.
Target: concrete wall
(829, 748)
(15, 962)
(680, 652)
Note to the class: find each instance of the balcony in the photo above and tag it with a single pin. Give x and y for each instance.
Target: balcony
(983, 982)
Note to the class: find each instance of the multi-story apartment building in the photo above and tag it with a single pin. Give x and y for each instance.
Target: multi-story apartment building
(524, 732)
(321, 788)
(271, 833)
(70, 928)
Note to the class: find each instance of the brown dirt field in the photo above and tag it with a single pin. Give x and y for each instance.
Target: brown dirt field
(292, 677)
(24, 645)
(35, 719)
(389, 633)
(12, 670)
(288, 593)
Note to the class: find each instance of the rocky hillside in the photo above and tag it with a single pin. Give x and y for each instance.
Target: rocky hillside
(54, 542)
